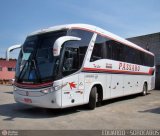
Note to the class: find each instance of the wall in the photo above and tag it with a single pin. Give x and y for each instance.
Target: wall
(5, 74)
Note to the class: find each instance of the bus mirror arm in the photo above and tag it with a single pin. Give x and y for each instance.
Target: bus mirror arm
(11, 48)
(60, 41)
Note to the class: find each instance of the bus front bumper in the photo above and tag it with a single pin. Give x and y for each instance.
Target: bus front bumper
(50, 100)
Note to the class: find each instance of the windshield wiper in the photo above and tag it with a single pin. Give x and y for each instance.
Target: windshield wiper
(28, 67)
(34, 64)
(23, 69)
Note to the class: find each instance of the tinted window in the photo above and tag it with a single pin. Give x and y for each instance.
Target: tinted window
(138, 57)
(149, 60)
(117, 51)
(130, 55)
(84, 35)
(106, 48)
(74, 51)
(36, 62)
(71, 61)
(82, 45)
(82, 52)
(110, 49)
(141, 58)
(11, 69)
(99, 49)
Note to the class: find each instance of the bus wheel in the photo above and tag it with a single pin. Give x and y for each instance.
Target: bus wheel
(144, 92)
(93, 98)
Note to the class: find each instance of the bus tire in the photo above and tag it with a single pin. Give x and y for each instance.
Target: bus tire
(144, 92)
(92, 98)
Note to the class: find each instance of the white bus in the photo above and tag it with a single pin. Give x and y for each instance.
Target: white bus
(77, 64)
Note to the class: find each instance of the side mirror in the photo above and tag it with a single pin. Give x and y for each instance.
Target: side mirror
(59, 42)
(11, 49)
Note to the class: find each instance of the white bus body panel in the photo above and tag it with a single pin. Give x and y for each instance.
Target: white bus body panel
(71, 94)
(116, 85)
(132, 84)
(92, 79)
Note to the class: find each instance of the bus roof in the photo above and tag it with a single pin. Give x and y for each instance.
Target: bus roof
(93, 29)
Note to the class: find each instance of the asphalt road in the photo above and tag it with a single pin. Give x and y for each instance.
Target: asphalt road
(133, 112)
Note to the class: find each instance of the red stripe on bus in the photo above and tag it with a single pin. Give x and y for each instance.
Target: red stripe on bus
(115, 71)
(33, 85)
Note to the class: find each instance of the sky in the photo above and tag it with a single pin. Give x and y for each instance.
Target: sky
(126, 18)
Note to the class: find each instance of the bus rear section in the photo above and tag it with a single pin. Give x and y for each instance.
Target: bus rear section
(118, 68)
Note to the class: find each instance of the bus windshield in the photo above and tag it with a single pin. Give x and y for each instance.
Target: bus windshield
(36, 62)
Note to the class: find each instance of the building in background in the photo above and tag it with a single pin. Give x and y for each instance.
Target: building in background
(7, 70)
(150, 42)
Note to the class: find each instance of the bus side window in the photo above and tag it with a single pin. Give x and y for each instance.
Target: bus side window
(82, 44)
(68, 61)
(117, 51)
(109, 50)
(99, 49)
(71, 61)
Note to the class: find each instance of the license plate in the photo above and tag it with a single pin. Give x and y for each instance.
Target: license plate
(27, 100)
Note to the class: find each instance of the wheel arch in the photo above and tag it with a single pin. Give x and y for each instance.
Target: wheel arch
(99, 90)
(146, 83)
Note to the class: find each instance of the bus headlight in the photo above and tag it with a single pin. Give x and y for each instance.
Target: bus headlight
(47, 90)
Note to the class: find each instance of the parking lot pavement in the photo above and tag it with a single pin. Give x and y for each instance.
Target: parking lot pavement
(133, 112)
